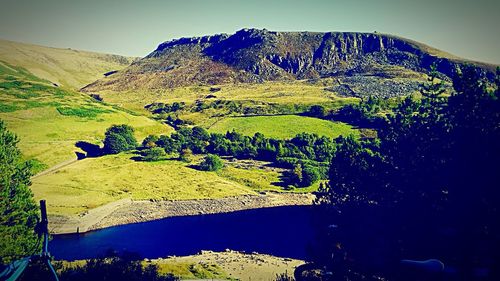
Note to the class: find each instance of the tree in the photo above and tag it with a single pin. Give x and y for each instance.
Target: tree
(168, 144)
(153, 154)
(310, 175)
(186, 155)
(211, 163)
(18, 211)
(317, 111)
(433, 168)
(150, 141)
(114, 143)
(119, 138)
(297, 174)
(432, 89)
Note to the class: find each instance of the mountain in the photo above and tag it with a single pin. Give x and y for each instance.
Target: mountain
(252, 55)
(66, 67)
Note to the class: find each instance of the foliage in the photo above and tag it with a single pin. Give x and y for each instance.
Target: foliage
(126, 267)
(365, 114)
(150, 141)
(18, 211)
(310, 175)
(211, 163)
(153, 154)
(426, 188)
(317, 111)
(305, 149)
(119, 138)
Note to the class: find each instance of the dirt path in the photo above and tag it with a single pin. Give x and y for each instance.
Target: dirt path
(126, 211)
(55, 168)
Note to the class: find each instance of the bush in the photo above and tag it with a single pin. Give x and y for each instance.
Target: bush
(114, 144)
(153, 154)
(310, 175)
(211, 163)
(119, 138)
(150, 141)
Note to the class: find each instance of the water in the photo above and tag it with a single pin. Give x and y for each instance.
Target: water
(280, 231)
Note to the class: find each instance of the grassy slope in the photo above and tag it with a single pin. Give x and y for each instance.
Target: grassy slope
(71, 68)
(50, 120)
(293, 92)
(92, 182)
(282, 127)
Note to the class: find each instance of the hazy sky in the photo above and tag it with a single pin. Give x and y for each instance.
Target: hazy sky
(467, 28)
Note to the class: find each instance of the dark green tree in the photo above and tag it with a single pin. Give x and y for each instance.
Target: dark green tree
(18, 211)
(310, 175)
(119, 138)
(317, 111)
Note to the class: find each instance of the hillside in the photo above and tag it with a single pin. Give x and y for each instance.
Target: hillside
(66, 67)
(252, 55)
(50, 120)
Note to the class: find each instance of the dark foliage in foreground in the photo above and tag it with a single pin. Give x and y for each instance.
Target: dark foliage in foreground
(18, 211)
(127, 267)
(426, 189)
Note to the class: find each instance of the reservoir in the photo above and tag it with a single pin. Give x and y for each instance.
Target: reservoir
(280, 231)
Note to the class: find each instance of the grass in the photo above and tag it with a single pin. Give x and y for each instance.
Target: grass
(282, 127)
(50, 120)
(188, 270)
(87, 112)
(67, 67)
(285, 93)
(180, 269)
(93, 182)
(261, 180)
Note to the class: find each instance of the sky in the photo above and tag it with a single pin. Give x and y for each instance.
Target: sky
(466, 28)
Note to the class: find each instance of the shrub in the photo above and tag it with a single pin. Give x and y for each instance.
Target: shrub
(211, 163)
(119, 138)
(150, 141)
(153, 154)
(310, 175)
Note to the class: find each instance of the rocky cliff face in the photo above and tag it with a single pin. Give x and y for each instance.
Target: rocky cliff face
(252, 55)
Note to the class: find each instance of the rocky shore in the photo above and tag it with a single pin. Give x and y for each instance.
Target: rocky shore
(127, 211)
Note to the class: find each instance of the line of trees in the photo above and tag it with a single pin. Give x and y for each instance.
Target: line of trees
(306, 154)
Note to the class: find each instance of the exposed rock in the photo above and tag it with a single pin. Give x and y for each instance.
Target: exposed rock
(253, 55)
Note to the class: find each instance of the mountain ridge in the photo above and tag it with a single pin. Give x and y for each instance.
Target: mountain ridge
(259, 55)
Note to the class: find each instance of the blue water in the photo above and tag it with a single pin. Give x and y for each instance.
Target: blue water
(281, 231)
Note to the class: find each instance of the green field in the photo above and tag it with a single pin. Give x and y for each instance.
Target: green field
(92, 182)
(287, 93)
(282, 127)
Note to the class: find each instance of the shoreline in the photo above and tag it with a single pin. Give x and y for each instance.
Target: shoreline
(229, 265)
(127, 211)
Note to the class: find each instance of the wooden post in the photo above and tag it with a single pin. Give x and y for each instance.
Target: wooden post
(44, 227)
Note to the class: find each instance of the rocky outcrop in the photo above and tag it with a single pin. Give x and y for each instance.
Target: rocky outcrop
(253, 55)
